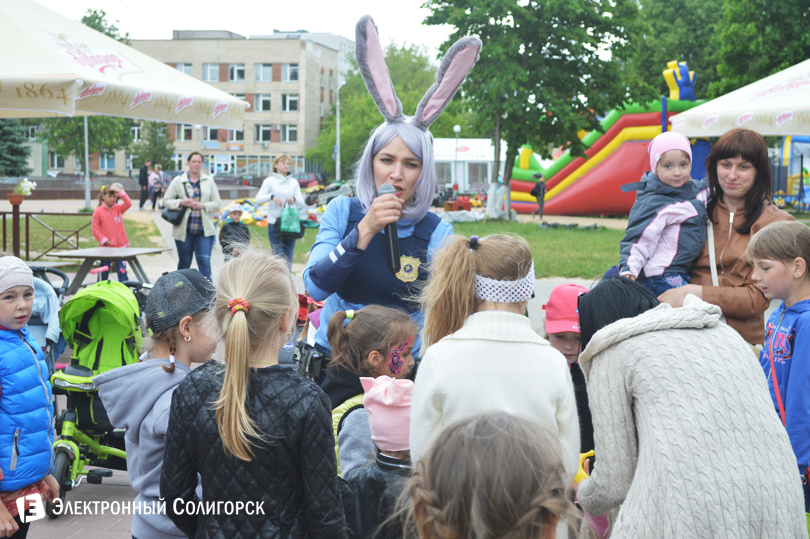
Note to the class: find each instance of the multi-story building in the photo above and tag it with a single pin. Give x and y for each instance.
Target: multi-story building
(288, 78)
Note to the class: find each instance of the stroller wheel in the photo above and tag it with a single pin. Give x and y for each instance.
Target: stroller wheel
(61, 472)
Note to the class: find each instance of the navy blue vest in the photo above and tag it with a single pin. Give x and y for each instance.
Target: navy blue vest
(371, 282)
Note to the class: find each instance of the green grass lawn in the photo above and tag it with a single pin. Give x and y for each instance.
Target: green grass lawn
(559, 252)
(140, 234)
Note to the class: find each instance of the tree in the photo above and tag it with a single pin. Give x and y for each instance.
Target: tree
(106, 134)
(13, 150)
(544, 72)
(673, 30)
(756, 38)
(97, 20)
(153, 145)
(412, 73)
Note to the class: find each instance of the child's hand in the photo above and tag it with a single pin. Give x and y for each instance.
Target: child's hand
(278, 201)
(8, 526)
(54, 486)
(586, 466)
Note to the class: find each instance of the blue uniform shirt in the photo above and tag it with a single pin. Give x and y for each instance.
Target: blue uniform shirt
(333, 259)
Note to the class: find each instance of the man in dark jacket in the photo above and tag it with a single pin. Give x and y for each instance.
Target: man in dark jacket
(539, 192)
(143, 181)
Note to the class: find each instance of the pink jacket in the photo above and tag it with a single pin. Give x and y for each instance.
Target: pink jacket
(108, 223)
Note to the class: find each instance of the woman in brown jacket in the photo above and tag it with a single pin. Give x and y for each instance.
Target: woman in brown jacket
(739, 206)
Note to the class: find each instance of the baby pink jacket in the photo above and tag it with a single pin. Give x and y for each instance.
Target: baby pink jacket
(108, 223)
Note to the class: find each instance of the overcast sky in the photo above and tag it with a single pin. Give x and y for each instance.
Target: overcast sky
(400, 20)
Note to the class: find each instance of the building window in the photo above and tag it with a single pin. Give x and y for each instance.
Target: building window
(262, 102)
(136, 133)
(184, 68)
(236, 73)
(31, 132)
(289, 102)
(55, 161)
(289, 133)
(321, 111)
(210, 134)
(235, 136)
(330, 81)
(263, 72)
(321, 77)
(211, 72)
(184, 131)
(106, 162)
(289, 73)
(262, 133)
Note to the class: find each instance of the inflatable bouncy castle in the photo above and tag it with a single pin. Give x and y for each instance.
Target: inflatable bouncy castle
(616, 155)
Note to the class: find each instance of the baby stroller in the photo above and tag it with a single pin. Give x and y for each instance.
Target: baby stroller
(102, 325)
(44, 322)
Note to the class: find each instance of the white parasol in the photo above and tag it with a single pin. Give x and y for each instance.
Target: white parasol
(776, 105)
(53, 66)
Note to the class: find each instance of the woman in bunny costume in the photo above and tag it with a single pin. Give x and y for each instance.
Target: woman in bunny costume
(348, 264)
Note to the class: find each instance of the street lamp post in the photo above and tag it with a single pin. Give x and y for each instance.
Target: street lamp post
(456, 130)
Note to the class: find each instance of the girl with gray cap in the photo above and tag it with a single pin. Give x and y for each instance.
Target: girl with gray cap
(26, 411)
(176, 312)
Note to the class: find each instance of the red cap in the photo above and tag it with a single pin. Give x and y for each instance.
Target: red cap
(561, 309)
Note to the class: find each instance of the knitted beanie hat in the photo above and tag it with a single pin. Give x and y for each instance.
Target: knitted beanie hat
(666, 142)
(388, 405)
(14, 272)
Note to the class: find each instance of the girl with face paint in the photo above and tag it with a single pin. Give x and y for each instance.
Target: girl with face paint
(371, 342)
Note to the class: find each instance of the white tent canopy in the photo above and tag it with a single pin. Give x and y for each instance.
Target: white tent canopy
(776, 105)
(53, 66)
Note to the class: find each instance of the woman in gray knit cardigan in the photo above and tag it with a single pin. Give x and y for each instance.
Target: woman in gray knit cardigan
(686, 437)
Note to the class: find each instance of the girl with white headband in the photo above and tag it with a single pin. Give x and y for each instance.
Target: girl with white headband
(483, 355)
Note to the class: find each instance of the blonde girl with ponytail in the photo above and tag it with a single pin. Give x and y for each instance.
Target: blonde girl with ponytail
(255, 431)
(483, 355)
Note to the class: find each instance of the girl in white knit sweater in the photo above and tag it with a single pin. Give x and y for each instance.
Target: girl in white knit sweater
(483, 355)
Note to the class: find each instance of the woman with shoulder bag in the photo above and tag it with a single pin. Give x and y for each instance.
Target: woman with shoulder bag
(279, 189)
(197, 197)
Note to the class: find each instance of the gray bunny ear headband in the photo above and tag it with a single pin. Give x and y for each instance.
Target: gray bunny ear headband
(454, 67)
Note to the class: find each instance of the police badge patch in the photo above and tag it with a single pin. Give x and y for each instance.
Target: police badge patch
(409, 269)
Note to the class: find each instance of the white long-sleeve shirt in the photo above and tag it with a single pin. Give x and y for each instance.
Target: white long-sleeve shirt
(495, 363)
(280, 187)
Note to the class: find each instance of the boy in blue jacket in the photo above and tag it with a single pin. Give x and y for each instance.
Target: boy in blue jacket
(780, 254)
(26, 407)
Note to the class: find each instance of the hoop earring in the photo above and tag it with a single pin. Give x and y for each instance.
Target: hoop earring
(187, 338)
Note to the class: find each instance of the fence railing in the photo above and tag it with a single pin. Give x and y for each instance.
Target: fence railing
(60, 237)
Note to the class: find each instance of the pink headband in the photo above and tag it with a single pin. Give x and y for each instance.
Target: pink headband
(388, 405)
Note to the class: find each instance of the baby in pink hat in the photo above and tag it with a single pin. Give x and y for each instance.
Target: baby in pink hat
(666, 229)
(378, 485)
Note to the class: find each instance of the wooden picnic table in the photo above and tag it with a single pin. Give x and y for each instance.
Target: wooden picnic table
(114, 254)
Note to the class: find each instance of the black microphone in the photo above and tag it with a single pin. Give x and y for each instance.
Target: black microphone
(391, 239)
